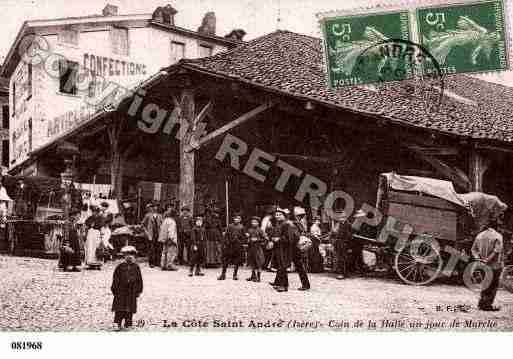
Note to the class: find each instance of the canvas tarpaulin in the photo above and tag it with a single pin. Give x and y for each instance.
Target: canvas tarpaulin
(482, 206)
(430, 186)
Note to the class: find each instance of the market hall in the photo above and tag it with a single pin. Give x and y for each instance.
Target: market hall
(281, 107)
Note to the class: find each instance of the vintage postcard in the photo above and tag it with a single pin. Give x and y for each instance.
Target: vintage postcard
(186, 168)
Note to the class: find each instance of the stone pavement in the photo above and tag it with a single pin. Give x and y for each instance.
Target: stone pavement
(34, 295)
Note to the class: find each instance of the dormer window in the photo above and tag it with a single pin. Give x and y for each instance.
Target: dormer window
(205, 50)
(69, 36)
(119, 41)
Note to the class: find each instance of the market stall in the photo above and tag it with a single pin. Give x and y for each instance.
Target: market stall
(35, 222)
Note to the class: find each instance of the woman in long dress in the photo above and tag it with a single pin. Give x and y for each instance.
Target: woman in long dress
(105, 235)
(94, 224)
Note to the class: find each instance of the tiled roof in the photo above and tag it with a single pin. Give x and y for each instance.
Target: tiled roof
(292, 64)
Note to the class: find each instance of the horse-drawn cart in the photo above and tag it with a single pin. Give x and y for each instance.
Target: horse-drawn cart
(425, 224)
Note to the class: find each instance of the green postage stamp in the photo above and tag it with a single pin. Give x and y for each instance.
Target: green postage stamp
(465, 37)
(350, 39)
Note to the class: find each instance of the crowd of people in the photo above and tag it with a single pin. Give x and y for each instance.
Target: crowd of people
(265, 244)
(271, 243)
(282, 241)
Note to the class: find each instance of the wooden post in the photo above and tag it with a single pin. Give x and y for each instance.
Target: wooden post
(227, 202)
(186, 185)
(478, 165)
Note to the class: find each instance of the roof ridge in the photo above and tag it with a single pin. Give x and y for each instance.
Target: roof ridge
(235, 49)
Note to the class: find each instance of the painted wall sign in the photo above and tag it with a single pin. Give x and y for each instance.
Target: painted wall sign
(106, 66)
(68, 120)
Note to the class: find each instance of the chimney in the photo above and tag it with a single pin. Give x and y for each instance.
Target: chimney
(164, 15)
(236, 34)
(110, 10)
(208, 24)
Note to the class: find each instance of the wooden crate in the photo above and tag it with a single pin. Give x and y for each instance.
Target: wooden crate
(425, 214)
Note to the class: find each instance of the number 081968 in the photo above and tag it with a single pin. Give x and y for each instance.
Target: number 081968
(26, 345)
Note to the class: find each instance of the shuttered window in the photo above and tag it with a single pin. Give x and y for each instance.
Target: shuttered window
(68, 73)
(29, 81)
(5, 116)
(119, 41)
(5, 153)
(68, 36)
(205, 51)
(177, 51)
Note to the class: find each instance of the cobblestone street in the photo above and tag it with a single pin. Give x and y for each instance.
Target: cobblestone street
(35, 296)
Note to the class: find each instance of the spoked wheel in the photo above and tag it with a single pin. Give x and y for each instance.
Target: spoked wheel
(418, 264)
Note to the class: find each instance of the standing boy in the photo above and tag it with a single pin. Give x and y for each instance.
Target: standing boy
(232, 250)
(196, 251)
(185, 224)
(341, 239)
(257, 239)
(127, 285)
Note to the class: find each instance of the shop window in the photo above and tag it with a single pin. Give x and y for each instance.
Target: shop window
(5, 153)
(205, 50)
(5, 117)
(91, 89)
(68, 36)
(119, 41)
(177, 51)
(68, 74)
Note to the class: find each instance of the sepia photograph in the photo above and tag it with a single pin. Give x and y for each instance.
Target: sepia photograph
(273, 166)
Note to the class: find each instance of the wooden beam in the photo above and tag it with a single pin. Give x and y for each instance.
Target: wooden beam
(437, 151)
(457, 176)
(186, 186)
(203, 113)
(494, 148)
(303, 157)
(237, 122)
(478, 165)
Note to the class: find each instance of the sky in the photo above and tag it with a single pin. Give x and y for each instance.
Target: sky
(256, 17)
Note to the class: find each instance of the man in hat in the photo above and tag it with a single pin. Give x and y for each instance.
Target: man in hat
(184, 227)
(70, 248)
(127, 285)
(151, 224)
(300, 228)
(285, 237)
(341, 238)
(232, 247)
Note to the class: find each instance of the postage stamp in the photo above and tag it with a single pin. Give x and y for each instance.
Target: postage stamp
(425, 87)
(346, 38)
(465, 37)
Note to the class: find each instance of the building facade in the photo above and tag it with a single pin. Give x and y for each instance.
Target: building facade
(73, 64)
(4, 129)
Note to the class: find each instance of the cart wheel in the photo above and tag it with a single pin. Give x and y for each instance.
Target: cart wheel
(418, 264)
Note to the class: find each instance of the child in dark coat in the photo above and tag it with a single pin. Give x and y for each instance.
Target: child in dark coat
(257, 240)
(127, 285)
(197, 247)
(233, 250)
